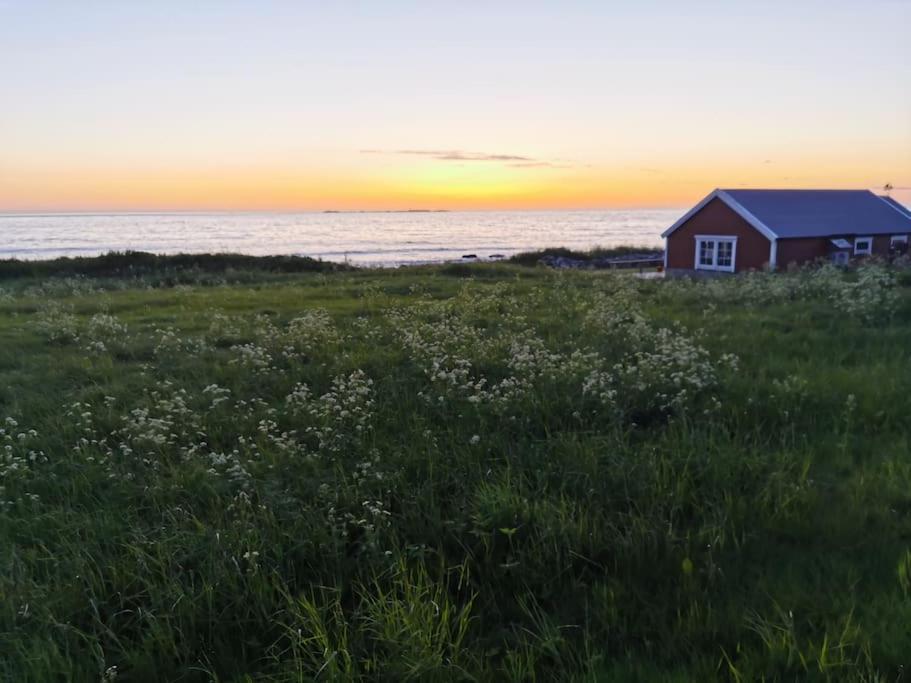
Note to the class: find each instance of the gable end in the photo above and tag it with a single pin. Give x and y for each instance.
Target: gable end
(733, 204)
(754, 251)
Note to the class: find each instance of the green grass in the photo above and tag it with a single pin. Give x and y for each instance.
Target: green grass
(351, 501)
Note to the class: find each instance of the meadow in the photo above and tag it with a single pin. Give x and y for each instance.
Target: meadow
(487, 472)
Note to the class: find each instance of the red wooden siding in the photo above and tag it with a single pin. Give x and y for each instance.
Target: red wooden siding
(717, 218)
(801, 250)
(806, 249)
(881, 244)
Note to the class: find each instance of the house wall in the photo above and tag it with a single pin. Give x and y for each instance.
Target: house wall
(717, 218)
(801, 250)
(881, 244)
(805, 249)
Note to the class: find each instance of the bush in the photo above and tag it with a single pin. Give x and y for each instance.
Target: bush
(140, 263)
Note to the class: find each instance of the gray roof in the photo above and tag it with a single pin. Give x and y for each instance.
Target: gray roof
(901, 207)
(782, 214)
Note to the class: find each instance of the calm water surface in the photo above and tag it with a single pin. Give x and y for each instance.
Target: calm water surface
(361, 238)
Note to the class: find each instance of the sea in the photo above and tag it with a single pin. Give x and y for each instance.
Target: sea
(359, 238)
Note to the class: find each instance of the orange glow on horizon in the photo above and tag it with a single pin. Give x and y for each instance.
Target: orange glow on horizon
(418, 185)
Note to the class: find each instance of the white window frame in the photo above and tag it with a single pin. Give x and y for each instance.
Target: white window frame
(865, 252)
(840, 258)
(716, 239)
(897, 238)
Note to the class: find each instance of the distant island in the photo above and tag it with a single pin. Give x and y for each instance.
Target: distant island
(391, 211)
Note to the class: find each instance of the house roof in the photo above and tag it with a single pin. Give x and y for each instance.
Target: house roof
(783, 214)
(901, 207)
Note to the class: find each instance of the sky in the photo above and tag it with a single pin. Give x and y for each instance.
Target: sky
(109, 106)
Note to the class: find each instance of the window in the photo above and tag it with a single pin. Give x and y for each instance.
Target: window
(725, 254)
(898, 244)
(707, 253)
(863, 246)
(716, 252)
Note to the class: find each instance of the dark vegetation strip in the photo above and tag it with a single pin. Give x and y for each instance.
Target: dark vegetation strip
(141, 263)
(531, 258)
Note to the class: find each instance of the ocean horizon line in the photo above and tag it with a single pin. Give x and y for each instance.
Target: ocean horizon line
(292, 212)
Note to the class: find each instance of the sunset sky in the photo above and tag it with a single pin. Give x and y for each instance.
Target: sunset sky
(397, 105)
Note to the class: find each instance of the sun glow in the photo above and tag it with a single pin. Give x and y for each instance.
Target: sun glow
(425, 184)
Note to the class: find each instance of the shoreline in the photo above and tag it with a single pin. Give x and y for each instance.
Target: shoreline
(134, 263)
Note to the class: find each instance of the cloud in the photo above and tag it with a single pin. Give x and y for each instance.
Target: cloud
(477, 156)
(540, 164)
(460, 155)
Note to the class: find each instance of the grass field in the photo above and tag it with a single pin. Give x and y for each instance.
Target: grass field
(455, 473)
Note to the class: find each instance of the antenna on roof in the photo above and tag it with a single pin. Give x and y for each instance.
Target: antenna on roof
(887, 188)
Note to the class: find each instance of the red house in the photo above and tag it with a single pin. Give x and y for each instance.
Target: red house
(732, 231)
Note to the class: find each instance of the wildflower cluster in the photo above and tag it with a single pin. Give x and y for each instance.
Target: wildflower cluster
(310, 331)
(166, 419)
(253, 357)
(170, 342)
(103, 330)
(872, 296)
(866, 293)
(17, 456)
(57, 323)
(651, 369)
(341, 416)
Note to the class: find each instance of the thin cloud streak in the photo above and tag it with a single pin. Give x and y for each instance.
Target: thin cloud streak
(511, 160)
(459, 155)
(539, 164)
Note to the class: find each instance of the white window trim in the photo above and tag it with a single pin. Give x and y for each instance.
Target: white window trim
(716, 239)
(898, 238)
(866, 252)
(839, 258)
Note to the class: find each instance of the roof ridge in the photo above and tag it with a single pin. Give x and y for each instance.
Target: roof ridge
(891, 203)
(792, 189)
(747, 215)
